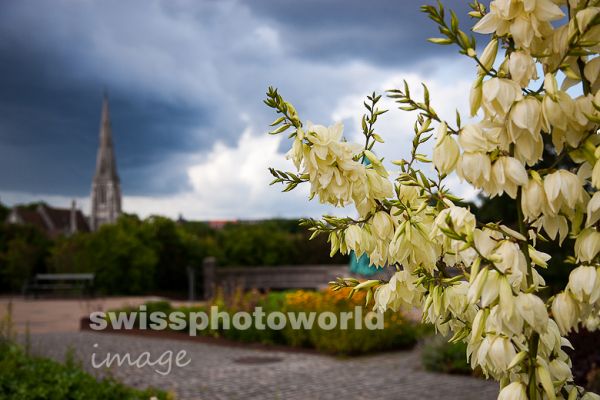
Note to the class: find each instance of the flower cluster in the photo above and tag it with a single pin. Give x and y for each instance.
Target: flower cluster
(532, 139)
(335, 174)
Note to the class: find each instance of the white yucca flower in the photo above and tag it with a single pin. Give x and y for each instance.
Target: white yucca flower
(533, 199)
(584, 283)
(523, 20)
(587, 245)
(513, 391)
(565, 312)
(563, 189)
(533, 310)
(522, 68)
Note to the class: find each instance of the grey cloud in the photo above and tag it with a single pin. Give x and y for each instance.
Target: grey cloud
(180, 75)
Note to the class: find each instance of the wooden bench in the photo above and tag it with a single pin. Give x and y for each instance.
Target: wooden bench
(62, 283)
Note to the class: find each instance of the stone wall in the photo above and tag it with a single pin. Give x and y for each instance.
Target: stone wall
(264, 278)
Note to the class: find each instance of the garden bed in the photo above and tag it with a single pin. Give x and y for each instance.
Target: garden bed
(399, 332)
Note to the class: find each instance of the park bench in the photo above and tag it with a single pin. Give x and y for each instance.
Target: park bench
(79, 284)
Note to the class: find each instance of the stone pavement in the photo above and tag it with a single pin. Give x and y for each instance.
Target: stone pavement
(220, 372)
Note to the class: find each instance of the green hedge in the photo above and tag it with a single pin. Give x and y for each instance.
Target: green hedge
(24, 377)
(439, 355)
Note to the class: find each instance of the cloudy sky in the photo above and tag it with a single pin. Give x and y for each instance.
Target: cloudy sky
(186, 80)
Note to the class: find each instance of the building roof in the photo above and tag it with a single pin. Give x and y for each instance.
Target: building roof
(53, 221)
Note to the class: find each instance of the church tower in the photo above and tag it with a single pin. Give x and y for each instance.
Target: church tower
(106, 187)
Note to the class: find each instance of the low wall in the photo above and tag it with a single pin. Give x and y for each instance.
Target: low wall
(276, 277)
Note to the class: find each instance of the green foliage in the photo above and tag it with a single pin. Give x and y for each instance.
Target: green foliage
(439, 355)
(23, 250)
(272, 242)
(4, 211)
(24, 377)
(136, 256)
(133, 256)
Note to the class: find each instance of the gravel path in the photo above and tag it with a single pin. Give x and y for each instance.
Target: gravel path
(219, 372)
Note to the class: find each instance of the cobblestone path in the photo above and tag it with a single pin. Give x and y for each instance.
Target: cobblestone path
(220, 372)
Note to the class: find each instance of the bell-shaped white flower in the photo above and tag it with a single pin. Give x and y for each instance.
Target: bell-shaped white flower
(507, 175)
(554, 225)
(475, 168)
(455, 219)
(587, 245)
(560, 370)
(513, 391)
(533, 199)
(524, 125)
(584, 284)
(533, 310)
(382, 225)
(522, 68)
(501, 352)
(498, 96)
(523, 22)
(473, 139)
(563, 189)
(593, 209)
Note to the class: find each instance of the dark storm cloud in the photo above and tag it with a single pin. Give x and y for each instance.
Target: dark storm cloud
(49, 130)
(174, 71)
(385, 31)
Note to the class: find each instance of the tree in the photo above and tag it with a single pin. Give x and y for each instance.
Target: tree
(4, 211)
(23, 250)
(533, 143)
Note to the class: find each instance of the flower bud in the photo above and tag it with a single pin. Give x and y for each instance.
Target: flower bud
(550, 85)
(596, 174)
(475, 96)
(446, 151)
(489, 54)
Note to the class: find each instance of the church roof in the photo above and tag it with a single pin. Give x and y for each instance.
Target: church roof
(51, 220)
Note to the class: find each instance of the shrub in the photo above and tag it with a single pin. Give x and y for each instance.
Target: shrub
(398, 333)
(24, 377)
(439, 355)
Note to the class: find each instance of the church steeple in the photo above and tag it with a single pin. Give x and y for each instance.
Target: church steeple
(106, 187)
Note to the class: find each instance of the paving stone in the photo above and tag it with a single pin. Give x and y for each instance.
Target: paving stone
(213, 372)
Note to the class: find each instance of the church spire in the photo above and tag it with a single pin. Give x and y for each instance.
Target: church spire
(106, 190)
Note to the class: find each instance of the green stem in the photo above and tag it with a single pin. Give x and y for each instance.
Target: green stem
(587, 88)
(535, 337)
(533, 349)
(524, 245)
